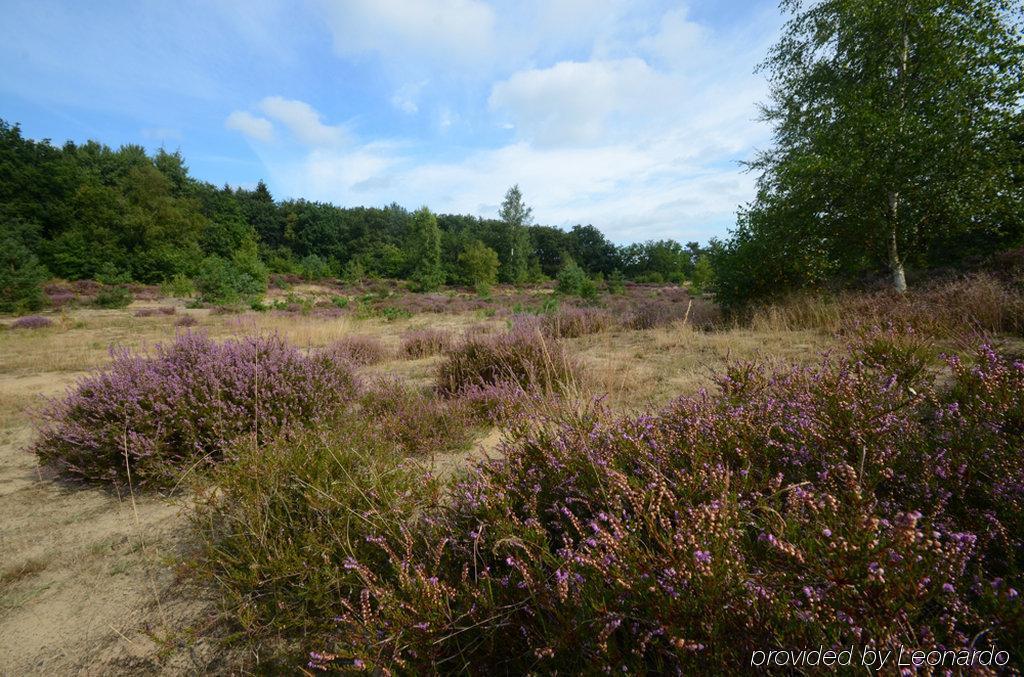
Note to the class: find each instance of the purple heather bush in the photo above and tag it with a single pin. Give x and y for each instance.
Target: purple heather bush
(158, 415)
(521, 356)
(32, 322)
(416, 423)
(863, 501)
(357, 349)
(155, 312)
(425, 342)
(573, 322)
(186, 321)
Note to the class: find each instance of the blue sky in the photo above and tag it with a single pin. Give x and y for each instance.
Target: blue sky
(630, 115)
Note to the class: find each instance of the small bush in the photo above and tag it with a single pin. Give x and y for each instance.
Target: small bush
(519, 356)
(32, 322)
(357, 350)
(186, 321)
(655, 314)
(571, 322)
(283, 526)
(425, 342)
(616, 282)
(188, 404)
(416, 423)
(179, 286)
(154, 312)
(21, 275)
(113, 297)
(573, 281)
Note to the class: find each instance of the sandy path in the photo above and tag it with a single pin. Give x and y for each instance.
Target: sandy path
(86, 582)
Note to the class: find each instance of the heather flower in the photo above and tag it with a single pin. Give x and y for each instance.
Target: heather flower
(156, 415)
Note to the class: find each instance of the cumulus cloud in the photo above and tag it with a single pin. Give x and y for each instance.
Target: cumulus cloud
(260, 129)
(447, 30)
(636, 123)
(302, 120)
(573, 102)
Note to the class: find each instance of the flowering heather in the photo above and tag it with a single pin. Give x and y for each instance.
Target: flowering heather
(32, 322)
(154, 312)
(573, 322)
(357, 349)
(836, 505)
(425, 342)
(186, 404)
(521, 356)
(186, 321)
(416, 423)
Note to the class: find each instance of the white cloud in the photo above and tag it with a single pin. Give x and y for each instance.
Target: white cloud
(678, 41)
(303, 120)
(252, 126)
(642, 138)
(573, 102)
(405, 98)
(447, 30)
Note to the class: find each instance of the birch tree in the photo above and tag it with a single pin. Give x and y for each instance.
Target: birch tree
(893, 126)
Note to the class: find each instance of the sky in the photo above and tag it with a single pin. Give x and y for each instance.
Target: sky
(631, 115)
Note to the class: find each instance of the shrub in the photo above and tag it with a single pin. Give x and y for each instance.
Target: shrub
(703, 274)
(416, 423)
(179, 286)
(153, 312)
(571, 322)
(479, 264)
(32, 322)
(312, 267)
(227, 281)
(573, 281)
(520, 356)
(829, 506)
(616, 282)
(282, 526)
(21, 276)
(425, 342)
(156, 416)
(357, 350)
(113, 297)
(186, 321)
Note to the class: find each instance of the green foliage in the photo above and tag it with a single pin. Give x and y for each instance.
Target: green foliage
(227, 281)
(479, 264)
(897, 138)
(93, 207)
(313, 267)
(703, 274)
(113, 296)
(179, 286)
(616, 282)
(109, 274)
(21, 276)
(353, 273)
(572, 281)
(340, 302)
(516, 216)
(425, 251)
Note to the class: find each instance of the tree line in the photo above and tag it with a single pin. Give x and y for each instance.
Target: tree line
(87, 211)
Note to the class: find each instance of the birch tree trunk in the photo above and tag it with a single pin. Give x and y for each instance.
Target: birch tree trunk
(899, 279)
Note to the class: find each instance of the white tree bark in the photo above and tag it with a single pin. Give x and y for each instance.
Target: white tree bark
(899, 278)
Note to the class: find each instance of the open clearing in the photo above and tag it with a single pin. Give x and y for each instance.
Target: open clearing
(87, 576)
